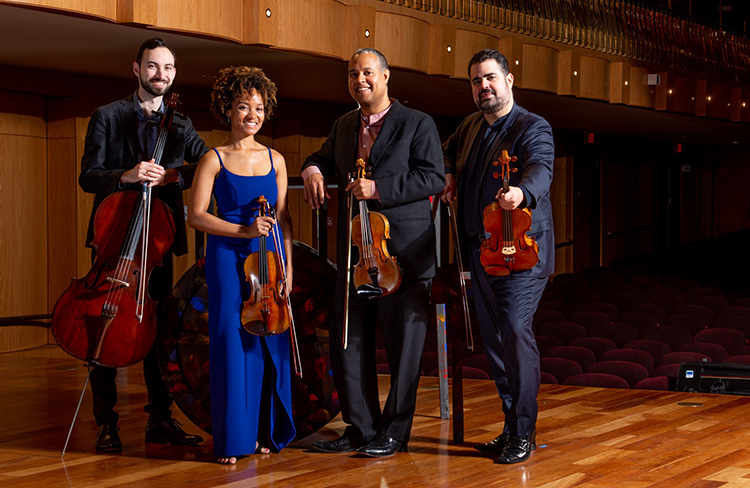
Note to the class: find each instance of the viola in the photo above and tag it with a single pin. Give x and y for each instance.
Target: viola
(107, 317)
(377, 273)
(266, 311)
(509, 249)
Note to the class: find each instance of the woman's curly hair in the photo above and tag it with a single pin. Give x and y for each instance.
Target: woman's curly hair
(238, 82)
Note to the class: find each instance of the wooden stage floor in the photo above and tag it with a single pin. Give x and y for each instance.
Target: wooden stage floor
(588, 437)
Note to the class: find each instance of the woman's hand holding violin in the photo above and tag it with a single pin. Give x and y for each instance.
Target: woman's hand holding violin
(261, 227)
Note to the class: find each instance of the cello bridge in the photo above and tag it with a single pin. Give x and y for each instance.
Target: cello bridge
(119, 282)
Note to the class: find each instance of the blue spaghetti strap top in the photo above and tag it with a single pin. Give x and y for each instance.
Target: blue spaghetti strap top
(236, 196)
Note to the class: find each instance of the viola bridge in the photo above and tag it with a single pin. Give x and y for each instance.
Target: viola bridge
(507, 250)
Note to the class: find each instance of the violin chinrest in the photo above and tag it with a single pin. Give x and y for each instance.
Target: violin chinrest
(369, 291)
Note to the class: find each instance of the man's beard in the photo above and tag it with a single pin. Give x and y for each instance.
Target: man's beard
(490, 105)
(146, 85)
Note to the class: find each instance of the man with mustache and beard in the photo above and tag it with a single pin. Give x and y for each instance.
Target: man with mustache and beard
(401, 148)
(120, 140)
(505, 305)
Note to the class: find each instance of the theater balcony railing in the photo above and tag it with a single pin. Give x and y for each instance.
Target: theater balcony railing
(630, 29)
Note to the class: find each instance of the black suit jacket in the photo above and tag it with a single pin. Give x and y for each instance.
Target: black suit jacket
(528, 137)
(112, 148)
(407, 167)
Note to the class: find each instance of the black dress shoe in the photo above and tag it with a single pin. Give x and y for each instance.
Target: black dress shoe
(107, 439)
(170, 432)
(382, 446)
(518, 449)
(342, 444)
(495, 446)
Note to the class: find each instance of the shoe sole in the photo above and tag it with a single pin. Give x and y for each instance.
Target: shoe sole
(329, 451)
(492, 452)
(373, 455)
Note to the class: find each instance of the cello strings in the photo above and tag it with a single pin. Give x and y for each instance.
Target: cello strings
(115, 289)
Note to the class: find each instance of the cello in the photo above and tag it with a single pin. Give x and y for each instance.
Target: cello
(510, 248)
(107, 318)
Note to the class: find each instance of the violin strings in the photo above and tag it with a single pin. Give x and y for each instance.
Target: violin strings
(364, 220)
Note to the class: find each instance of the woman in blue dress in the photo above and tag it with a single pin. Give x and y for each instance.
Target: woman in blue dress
(250, 378)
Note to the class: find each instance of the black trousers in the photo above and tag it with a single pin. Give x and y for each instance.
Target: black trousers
(103, 386)
(403, 318)
(505, 307)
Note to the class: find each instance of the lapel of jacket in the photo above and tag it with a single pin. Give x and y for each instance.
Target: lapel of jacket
(129, 126)
(498, 142)
(470, 136)
(391, 126)
(350, 131)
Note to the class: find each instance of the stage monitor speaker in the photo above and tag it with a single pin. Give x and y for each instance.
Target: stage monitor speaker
(720, 378)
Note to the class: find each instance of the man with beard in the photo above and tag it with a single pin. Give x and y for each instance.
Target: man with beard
(401, 148)
(505, 305)
(120, 140)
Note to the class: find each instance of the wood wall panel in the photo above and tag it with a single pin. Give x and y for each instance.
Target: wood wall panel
(442, 49)
(561, 196)
(513, 49)
(619, 83)
(701, 97)
(22, 114)
(360, 29)
(98, 8)
(736, 104)
(219, 18)
(594, 78)
(315, 26)
(62, 172)
(84, 203)
(663, 99)
(405, 41)
(568, 68)
(539, 68)
(682, 98)
(23, 236)
(641, 94)
(468, 43)
(719, 106)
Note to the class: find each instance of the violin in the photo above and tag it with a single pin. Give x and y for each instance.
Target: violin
(107, 317)
(377, 272)
(509, 249)
(266, 311)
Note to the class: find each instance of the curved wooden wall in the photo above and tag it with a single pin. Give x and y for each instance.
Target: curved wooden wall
(418, 41)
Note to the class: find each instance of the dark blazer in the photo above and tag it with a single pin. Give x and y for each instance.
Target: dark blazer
(112, 148)
(407, 167)
(528, 137)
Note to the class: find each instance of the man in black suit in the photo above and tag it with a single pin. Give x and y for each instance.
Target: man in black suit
(505, 305)
(402, 150)
(119, 143)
